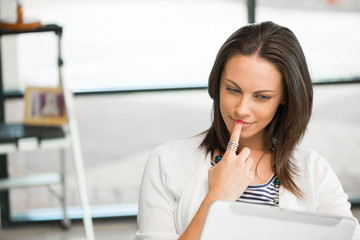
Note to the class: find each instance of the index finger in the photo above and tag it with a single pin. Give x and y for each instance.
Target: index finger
(235, 135)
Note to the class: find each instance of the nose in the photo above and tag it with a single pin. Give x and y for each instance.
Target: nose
(243, 106)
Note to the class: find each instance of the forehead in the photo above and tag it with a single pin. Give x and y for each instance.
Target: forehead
(253, 73)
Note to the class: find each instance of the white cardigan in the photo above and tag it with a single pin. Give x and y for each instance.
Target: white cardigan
(175, 182)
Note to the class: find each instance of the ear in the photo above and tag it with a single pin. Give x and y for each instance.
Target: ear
(283, 102)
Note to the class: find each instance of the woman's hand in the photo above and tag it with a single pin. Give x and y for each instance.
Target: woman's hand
(227, 181)
(232, 175)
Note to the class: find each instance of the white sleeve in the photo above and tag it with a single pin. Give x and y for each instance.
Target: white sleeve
(331, 198)
(156, 204)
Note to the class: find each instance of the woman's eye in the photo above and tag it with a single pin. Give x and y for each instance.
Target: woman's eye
(233, 90)
(263, 97)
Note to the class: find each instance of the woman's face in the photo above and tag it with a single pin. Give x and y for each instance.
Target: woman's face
(250, 90)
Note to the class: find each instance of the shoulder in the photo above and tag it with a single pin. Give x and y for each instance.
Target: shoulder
(187, 145)
(180, 150)
(307, 159)
(178, 155)
(313, 172)
(174, 162)
(322, 188)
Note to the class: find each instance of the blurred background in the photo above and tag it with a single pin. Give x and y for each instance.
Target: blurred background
(139, 71)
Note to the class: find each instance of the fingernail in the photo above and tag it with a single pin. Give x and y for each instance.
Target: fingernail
(239, 122)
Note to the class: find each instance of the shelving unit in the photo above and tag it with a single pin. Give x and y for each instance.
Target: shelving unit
(62, 141)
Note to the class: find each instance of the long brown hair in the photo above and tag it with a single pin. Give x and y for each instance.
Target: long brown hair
(279, 46)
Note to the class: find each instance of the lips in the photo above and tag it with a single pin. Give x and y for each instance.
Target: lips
(244, 123)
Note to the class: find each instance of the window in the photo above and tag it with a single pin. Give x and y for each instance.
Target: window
(327, 33)
(126, 45)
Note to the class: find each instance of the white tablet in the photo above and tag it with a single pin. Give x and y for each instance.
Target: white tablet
(234, 220)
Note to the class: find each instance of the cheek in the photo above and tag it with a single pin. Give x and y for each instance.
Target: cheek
(268, 113)
(225, 110)
(225, 105)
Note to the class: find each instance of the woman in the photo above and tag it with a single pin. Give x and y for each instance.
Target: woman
(262, 101)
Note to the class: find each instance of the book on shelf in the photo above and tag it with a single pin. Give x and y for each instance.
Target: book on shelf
(15, 133)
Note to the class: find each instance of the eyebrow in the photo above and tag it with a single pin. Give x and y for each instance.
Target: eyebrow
(259, 91)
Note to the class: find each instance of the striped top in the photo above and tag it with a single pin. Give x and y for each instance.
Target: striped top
(264, 194)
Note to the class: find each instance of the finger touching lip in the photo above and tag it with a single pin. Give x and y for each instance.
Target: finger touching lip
(235, 135)
(244, 124)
